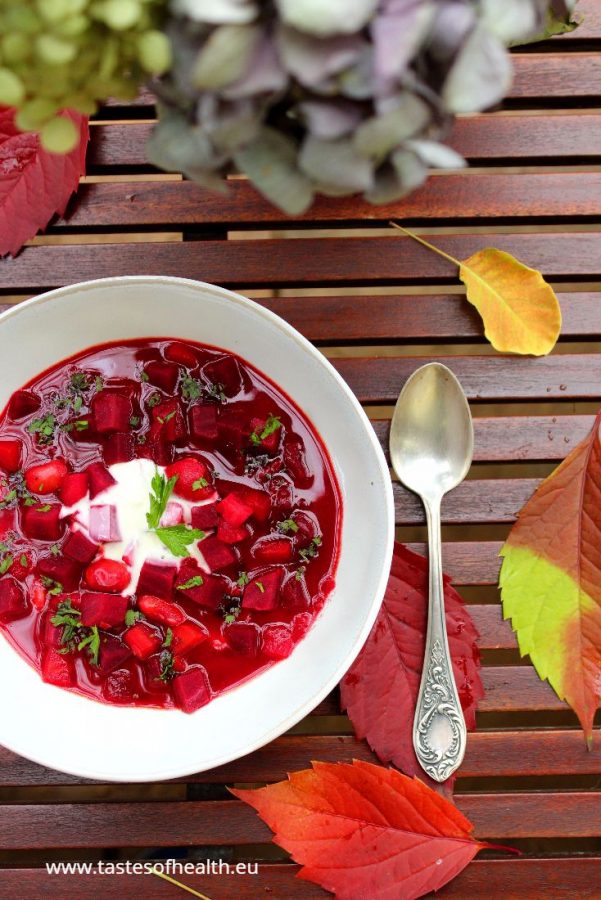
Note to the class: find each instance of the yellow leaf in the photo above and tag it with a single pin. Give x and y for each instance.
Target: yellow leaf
(520, 311)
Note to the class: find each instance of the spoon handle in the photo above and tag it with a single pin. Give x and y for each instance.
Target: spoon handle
(439, 733)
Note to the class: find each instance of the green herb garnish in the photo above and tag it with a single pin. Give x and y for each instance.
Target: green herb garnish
(6, 563)
(45, 508)
(53, 587)
(261, 586)
(143, 376)
(191, 387)
(243, 580)
(92, 642)
(195, 581)
(132, 616)
(313, 548)
(167, 418)
(215, 391)
(177, 537)
(199, 483)
(168, 638)
(134, 421)
(153, 400)
(99, 383)
(287, 525)
(44, 428)
(167, 671)
(55, 550)
(159, 497)
(23, 560)
(272, 425)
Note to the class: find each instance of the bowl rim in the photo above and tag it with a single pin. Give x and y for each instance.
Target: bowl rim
(387, 513)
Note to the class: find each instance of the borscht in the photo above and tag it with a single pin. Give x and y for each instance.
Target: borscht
(169, 523)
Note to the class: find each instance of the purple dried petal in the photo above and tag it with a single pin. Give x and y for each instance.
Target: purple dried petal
(336, 163)
(452, 24)
(313, 60)
(263, 74)
(397, 33)
(329, 18)
(480, 76)
(325, 119)
(270, 162)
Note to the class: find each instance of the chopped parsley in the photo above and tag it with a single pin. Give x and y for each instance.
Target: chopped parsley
(300, 573)
(287, 525)
(175, 537)
(191, 387)
(167, 670)
(260, 586)
(153, 400)
(168, 638)
(6, 563)
(230, 609)
(215, 392)
(312, 550)
(195, 581)
(53, 587)
(43, 428)
(167, 418)
(55, 550)
(23, 560)
(99, 383)
(132, 616)
(45, 508)
(135, 421)
(92, 642)
(79, 382)
(243, 580)
(272, 425)
(17, 491)
(199, 483)
(143, 376)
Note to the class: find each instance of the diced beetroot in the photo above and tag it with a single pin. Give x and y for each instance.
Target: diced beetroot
(7, 521)
(192, 689)
(187, 636)
(295, 461)
(103, 524)
(156, 579)
(193, 478)
(217, 555)
(158, 451)
(46, 478)
(65, 571)
(281, 491)
(10, 455)
(38, 594)
(243, 637)
(181, 354)
(273, 549)
(307, 525)
(163, 375)
(111, 412)
(51, 634)
(22, 565)
(209, 593)
(168, 422)
(13, 602)
(301, 624)
(142, 640)
(232, 534)
(153, 668)
(119, 447)
(79, 547)
(42, 522)
(277, 641)
(259, 500)
(106, 610)
(173, 515)
(234, 509)
(263, 590)
(203, 423)
(108, 575)
(205, 517)
(73, 488)
(232, 427)
(57, 668)
(271, 441)
(120, 687)
(295, 593)
(113, 653)
(161, 611)
(99, 478)
(23, 403)
(225, 371)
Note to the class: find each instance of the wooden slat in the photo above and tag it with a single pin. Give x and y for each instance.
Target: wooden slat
(517, 438)
(537, 75)
(489, 754)
(483, 378)
(552, 75)
(469, 562)
(508, 689)
(230, 822)
(443, 197)
(290, 262)
(486, 500)
(499, 879)
(476, 137)
(337, 319)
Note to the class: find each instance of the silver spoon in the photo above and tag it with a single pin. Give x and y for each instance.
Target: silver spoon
(431, 447)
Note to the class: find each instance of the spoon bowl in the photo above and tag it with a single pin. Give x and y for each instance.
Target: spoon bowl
(431, 435)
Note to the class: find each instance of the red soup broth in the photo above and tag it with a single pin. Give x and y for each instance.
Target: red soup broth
(243, 486)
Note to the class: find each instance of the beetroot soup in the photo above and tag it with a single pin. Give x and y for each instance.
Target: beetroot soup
(169, 523)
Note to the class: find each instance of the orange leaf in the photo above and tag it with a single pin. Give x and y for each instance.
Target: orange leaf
(361, 830)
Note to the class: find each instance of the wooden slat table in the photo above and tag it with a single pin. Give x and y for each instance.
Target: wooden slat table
(378, 305)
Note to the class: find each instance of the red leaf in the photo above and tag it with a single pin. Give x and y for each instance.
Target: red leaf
(34, 184)
(362, 830)
(380, 689)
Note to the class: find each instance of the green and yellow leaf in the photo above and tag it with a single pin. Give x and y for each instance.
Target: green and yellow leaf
(551, 579)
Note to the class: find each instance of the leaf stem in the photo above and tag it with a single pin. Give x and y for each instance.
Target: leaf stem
(178, 884)
(425, 243)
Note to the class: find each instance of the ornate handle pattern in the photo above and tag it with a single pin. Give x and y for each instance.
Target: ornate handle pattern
(439, 732)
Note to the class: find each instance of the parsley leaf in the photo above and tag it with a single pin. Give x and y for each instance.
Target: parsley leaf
(287, 525)
(6, 563)
(312, 550)
(191, 387)
(167, 671)
(272, 425)
(260, 586)
(92, 642)
(177, 537)
(243, 579)
(132, 616)
(216, 391)
(199, 483)
(159, 497)
(195, 581)
(44, 428)
(168, 638)
(54, 587)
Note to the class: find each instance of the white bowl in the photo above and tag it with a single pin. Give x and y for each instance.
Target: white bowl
(74, 734)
